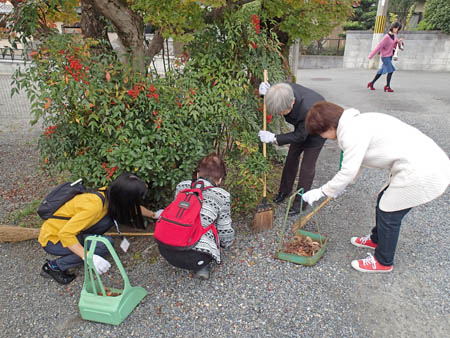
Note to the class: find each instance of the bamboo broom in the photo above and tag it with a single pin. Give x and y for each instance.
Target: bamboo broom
(263, 219)
(12, 233)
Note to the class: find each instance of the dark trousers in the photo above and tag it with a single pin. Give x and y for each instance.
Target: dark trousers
(307, 168)
(190, 259)
(386, 232)
(70, 260)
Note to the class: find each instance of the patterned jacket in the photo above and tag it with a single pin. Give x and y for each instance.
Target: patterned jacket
(215, 209)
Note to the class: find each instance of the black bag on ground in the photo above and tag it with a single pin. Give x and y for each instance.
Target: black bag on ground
(59, 196)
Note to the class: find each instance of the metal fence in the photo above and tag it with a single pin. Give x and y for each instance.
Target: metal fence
(14, 54)
(324, 47)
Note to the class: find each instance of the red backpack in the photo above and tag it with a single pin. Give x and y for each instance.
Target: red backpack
(179, 226)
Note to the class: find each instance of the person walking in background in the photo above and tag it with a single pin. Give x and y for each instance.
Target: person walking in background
(91, 213)
(419, 171)
(293, 102)
(386, 48)
(215, 209)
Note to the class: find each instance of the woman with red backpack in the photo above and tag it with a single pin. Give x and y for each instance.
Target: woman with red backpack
(193, 228)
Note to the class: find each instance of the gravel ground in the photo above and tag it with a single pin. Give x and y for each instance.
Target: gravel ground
(252, 294)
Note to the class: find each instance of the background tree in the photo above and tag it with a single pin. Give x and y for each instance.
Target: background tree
(436, 16)
(180, 19)
(102, 116)
(401, 9)
(363, 16)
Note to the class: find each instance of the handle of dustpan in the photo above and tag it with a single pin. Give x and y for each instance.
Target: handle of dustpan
(89, 262)
(290, 201)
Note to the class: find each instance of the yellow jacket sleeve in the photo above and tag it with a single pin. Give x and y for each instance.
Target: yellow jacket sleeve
(84, 211)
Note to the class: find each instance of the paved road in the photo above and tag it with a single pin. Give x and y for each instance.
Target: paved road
(254, 295)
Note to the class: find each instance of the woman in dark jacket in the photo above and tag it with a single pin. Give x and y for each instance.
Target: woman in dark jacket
(293, 102)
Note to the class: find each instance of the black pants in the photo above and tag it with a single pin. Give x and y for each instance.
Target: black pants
(307, 168)
(70, 260)
(386, 232)
(190, 259)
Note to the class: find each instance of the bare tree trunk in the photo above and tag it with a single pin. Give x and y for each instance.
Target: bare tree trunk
(93, 24)
(129, 27)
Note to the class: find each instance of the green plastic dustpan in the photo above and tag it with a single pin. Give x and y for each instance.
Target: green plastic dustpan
(297, 259)
(95, 304)
(317, 236)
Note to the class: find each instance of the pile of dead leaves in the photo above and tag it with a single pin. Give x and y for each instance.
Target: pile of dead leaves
(109, 293)
(302, 246)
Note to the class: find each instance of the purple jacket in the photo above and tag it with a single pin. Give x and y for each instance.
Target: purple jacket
(385, 47)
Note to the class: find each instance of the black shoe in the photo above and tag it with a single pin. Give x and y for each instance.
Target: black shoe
(203, 273)
(295, 209)
(280, 197)
(60, 276)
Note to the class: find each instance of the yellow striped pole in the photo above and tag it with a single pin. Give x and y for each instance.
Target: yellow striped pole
(378, 31)
(380, 24)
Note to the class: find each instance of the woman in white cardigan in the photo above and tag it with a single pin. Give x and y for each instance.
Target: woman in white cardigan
(419, 171)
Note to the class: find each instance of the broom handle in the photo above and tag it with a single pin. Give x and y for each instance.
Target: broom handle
(304, 220)
(129, 233)
(265, 128)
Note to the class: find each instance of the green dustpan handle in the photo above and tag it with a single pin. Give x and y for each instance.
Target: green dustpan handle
(299, 192)
(89, 268)
(341, 157)
(89, 261)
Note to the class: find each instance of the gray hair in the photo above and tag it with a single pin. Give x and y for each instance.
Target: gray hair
(279, 98)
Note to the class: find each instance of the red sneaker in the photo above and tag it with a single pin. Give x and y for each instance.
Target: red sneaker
(363, 242)
(370, 264)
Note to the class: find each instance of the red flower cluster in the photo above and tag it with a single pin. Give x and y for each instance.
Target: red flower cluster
(158, 122)
(49, 131)
(153, 93)
(254, 45)
(77, 69)
(269, 118)
(110, 171)
(135, 91)
(139, 87)
(256, 24)
(178, 102)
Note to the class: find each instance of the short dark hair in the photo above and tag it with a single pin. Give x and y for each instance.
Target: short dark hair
(395, 24)
(211, 168)
(322, 116)
(125, 195)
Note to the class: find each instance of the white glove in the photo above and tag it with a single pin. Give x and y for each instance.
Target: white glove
(313, 195)
(263, 88)
(266, 136)
(101, 264)
(157, 214)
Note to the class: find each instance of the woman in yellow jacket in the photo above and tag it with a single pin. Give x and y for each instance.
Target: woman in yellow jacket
(91, 213)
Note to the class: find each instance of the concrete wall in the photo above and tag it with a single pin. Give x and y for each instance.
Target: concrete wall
(424, 50)
(8, 67)
(320, 61)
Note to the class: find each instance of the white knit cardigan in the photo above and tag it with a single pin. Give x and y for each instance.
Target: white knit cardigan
(419, 169)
